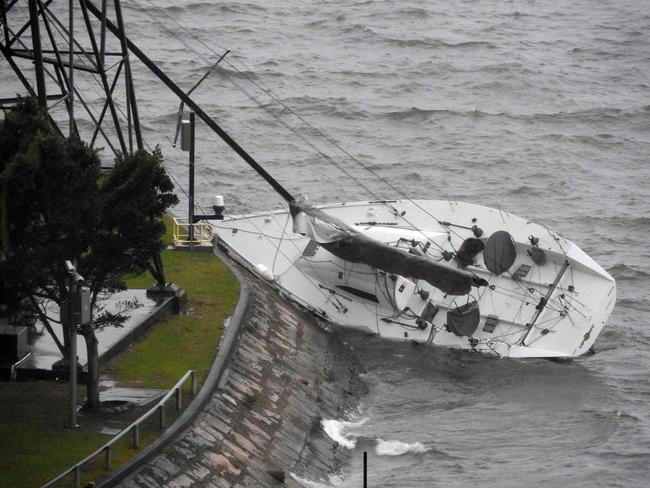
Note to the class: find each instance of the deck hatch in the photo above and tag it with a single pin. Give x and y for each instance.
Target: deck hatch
(310, 249)
(491, 322)
(521, 271)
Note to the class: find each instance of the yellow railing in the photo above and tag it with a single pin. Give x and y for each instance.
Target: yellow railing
(202, 232)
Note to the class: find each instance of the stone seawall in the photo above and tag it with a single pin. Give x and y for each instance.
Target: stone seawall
(264, 421)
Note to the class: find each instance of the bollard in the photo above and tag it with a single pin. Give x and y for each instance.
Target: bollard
(193, 376)
(179, 401)
(109, 458)
(161, 408)
(136, 436)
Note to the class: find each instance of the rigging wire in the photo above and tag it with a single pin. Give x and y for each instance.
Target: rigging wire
(324, 136)
(267, 91)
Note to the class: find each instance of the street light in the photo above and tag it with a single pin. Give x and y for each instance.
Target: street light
(75, 310)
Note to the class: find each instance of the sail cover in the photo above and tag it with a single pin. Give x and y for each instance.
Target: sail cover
(350, 245)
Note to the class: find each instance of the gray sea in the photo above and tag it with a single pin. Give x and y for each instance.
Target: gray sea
(539, 107)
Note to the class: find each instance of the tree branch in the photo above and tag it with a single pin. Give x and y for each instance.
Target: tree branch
(46, 324)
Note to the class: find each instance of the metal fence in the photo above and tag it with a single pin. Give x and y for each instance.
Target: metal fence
(133, 429)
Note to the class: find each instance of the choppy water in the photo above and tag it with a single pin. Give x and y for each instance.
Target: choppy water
(542, 108)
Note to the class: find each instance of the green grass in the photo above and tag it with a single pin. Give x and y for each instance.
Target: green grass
(34, 444)
(167, 237)
(184, 341)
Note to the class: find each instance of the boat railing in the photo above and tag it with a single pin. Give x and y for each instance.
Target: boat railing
(134, 429)
(185, 233)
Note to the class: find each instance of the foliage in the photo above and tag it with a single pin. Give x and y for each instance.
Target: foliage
(48, 190)
(57, 208)
(35, 444)
(19, 126)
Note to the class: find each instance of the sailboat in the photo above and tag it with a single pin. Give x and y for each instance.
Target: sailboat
(436, 272)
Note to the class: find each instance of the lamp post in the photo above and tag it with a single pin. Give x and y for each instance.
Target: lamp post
(188, 137)
(187, 144)
(75, 310)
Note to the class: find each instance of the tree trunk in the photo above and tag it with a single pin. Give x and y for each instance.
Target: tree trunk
(92, 386)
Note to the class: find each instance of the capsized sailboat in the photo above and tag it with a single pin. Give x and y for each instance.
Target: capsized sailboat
(437, 272)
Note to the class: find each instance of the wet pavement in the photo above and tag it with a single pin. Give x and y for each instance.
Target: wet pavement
(45, 351)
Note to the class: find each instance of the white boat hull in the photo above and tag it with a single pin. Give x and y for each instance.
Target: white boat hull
(554, 309)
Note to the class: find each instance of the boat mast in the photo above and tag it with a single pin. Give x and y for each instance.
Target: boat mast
(543, 302)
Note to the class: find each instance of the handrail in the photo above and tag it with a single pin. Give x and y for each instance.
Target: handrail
(133, 428)
(14, 367)
(201, 232)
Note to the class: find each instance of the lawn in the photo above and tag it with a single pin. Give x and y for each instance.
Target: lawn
(186, 341)
(34, 443)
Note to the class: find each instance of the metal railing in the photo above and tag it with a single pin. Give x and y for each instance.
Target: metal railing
(202, 232)
(133, 429)
(14, 367)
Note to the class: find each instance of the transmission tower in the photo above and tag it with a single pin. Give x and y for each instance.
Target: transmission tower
(52, 45)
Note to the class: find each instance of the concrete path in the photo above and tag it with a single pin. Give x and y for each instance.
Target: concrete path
(264, 423)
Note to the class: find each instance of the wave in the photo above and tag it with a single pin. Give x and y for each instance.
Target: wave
(634, 304)
(425, 114)
(621, 272)
(317, 23)
(437, 43)
(397, 448)
(308, 483)
(638, 223)
(525, 190)
(598, 114)
(360, 30)
(413, 11)
(224, 8)
(304, 106)
(339, 431)
(609, 414)
(234, 73)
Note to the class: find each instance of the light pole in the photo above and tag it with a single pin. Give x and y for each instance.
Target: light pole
(188, 130)
(75, 310)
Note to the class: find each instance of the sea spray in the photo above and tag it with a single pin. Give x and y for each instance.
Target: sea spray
(397, 448)
(339, 431)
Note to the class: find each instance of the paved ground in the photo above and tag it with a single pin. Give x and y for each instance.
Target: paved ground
(44, 349)
(264, 422)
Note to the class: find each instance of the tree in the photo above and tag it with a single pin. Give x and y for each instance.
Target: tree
(48, 195)
(132, 199)
(58, 207)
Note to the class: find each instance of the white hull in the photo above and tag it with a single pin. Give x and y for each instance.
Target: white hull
(579, 294)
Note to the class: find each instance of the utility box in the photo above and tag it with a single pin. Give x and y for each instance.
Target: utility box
(186, 135)
(78, 310)
(13, 343)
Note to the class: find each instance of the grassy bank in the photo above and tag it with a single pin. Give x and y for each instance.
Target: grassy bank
(186, 341)
(35, 445)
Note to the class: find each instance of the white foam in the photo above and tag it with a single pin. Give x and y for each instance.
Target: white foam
(339, 431)
(308, 483)
(397, 448)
